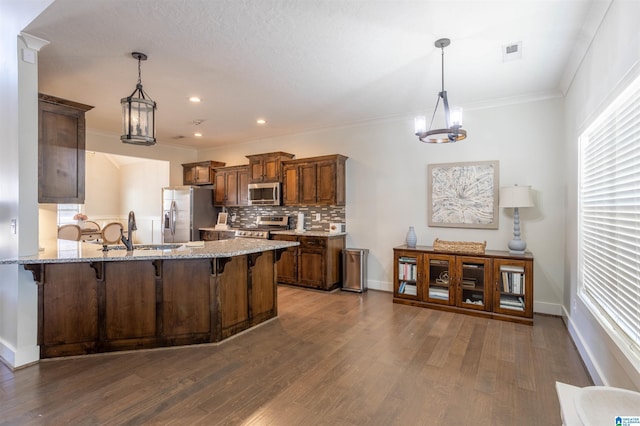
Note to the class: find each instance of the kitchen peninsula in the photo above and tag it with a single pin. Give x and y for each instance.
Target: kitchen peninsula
(92, 301)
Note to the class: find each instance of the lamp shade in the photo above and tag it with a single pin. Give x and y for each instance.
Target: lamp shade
(516, 196)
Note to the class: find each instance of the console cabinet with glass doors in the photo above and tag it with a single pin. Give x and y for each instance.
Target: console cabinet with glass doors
(496, 284)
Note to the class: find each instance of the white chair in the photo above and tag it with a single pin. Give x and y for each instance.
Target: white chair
(90, 224)
(111, 233)
(91, 231)
(69, 232)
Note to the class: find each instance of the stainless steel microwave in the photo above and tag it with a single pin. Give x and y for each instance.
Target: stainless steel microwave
(264, 194)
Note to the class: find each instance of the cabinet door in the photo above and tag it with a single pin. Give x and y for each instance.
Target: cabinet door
(473, 278)
(130, 300)
(202, 174)
(513, 293)
(270, 169)
(308, 183)
(311, 267)
(231, 188)
(68, 310)
(188, 175)
(219, 192)
(326, 183)
(439, 285)
(243, 188)
(61, 154)
(290, 191)
(256, 170)
(186, 297)
(406, 272)
(287, 264)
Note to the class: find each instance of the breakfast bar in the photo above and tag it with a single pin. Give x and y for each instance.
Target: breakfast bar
(92, 301)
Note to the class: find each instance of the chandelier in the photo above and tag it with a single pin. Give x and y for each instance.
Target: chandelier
(138, 113)
(453, 117)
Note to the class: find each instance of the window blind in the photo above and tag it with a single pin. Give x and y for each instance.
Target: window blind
(609, 213)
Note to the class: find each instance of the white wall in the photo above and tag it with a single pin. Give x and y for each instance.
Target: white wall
(18, 183)
(611, 62)
(141, 191)
(387, 183)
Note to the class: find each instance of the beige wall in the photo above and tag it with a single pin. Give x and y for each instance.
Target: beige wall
(387, 183)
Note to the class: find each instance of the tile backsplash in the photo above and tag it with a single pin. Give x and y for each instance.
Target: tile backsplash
(246, 216)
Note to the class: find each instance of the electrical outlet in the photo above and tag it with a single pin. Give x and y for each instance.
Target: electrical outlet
(317, 216)
(14, 225)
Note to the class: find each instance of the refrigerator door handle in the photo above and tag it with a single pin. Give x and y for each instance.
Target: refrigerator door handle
(173, 211)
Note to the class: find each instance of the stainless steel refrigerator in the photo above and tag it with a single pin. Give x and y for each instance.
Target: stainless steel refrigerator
(186, 209)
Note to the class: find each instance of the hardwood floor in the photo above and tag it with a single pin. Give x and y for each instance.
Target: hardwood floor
(328, 359)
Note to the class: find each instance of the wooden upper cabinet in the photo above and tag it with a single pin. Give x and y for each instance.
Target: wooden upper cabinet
(267, 167)
(231, 186)
(61, 150)
(200, 173)
(314, 181)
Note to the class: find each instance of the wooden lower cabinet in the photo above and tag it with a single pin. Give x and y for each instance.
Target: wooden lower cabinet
(206, 235)
(315, 263)
(109, 306)
(496, 284)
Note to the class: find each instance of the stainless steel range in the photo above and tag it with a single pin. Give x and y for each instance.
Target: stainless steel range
(263, 226)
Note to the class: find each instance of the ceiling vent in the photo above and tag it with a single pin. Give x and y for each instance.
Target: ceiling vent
(512, 51)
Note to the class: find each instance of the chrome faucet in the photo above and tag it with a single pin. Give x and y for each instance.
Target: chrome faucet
(131, 226)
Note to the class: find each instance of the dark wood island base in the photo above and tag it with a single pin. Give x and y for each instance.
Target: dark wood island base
(92, 307)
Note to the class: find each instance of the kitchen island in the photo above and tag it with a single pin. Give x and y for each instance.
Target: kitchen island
(92, 301)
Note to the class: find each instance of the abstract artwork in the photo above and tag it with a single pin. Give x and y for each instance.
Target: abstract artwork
(464, 195)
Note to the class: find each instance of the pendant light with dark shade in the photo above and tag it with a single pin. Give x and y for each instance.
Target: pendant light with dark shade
(138, 113)
(453, 117)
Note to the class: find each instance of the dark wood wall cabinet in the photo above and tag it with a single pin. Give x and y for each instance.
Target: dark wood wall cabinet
(315, 263)
(91, 307)
(61, 150)
(314, 181)
(267, 167)
(496, 284)
(200, 173)
(231, 186)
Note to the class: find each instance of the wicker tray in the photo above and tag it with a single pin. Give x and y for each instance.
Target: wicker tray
(459, 246)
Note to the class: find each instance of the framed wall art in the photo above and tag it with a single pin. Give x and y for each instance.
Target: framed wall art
(464, 195)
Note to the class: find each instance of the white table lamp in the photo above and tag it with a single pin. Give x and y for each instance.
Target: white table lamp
(516, 197)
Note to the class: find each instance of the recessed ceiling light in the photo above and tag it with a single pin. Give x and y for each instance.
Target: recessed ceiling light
(261, 121)
(194, 99)
(197, 135)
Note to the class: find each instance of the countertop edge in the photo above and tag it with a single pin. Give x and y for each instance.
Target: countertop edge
(212, 249)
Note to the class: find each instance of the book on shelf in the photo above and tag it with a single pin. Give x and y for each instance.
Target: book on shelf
(411, 289)
(516, 303)
(438, 293)
(513, 282)
(407, 271)
(408, 288)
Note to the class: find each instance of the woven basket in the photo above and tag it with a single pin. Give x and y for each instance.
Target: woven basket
(459, 246)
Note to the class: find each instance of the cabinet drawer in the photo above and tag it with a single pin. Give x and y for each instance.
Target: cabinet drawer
(312, 242)
(284, 237)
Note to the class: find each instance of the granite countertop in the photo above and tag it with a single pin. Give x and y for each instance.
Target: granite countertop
(308, 233)
(211, 228)
(70, 251)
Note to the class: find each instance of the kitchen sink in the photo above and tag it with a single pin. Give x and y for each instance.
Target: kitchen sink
(146, 247)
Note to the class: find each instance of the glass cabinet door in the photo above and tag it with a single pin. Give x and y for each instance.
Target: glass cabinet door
(440, 279)
(513, 290)
(472, 276)
(407, 273)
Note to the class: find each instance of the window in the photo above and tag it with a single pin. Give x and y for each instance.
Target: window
(66, 212)
(609, 216)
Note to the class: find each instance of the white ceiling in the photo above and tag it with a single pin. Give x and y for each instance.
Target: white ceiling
(305, 64)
